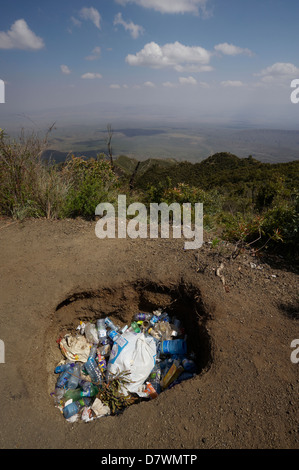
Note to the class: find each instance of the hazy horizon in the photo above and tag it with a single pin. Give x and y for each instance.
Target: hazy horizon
(194, 64)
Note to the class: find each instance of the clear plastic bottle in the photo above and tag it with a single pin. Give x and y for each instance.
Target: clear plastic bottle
(155, 378)
(110, 324)
(93, 371)
(74, 407)
(73, 381)
(93, 351)
(101, 328)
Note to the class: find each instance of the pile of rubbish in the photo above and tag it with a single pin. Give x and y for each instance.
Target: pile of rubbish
(107, 368)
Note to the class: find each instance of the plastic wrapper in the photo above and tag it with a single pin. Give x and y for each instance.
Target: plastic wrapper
(75, 348)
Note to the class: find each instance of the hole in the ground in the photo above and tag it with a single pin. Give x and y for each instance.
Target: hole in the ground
(120, 304)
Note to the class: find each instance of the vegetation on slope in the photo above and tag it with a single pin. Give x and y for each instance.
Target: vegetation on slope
(247, 202)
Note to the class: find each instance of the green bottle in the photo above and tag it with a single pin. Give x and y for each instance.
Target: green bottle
(135, 327)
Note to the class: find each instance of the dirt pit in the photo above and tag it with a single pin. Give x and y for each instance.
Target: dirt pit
(120, 303)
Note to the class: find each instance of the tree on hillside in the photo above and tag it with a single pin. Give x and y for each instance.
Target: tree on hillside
(109, 145)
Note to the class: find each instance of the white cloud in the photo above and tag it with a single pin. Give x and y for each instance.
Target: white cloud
(170, 6)
(20, 36)
(231, 49)
(91, 76)
(91, 14)
(174, 55)
(187, 81)
(169, 84)
(278, 72)
(135, 29)
(95, 54)
(75, 21)
(232, 83)
(65, 70)
(149, 84)
(114, 86)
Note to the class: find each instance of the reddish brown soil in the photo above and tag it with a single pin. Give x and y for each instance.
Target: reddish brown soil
(54, 273)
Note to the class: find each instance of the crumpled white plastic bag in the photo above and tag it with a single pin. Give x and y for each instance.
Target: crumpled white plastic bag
(75, 348)
(135, 353)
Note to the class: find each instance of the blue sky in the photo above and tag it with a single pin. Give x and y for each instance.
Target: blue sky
(202, 58)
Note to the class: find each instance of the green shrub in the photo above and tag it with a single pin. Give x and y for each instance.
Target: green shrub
(91, 182)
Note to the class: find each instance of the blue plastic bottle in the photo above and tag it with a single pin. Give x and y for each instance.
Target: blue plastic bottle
(113, 335)
(61, 368)
(189, 365)
(154, 320)
(175, 346)
(64, 376)
(74, 407)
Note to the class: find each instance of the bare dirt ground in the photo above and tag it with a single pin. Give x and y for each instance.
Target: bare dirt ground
(54, 273)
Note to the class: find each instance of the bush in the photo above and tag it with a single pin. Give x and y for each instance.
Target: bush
(91, 182)
(29, 186)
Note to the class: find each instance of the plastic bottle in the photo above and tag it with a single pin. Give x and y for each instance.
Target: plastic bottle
(135, 327)
(93, 371)
(113, 335)
(105, 348)
(88, 390)
(64, 376)
(73, 394)
(74, 407)
(154, 320)
(189, 365)
(110, 324)
(101, 328)
(73, 381)
(61, 368)
(175, 346)
(124, 328)
(164, 317)
(143, 316)
(93, 351)
(155, 378)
